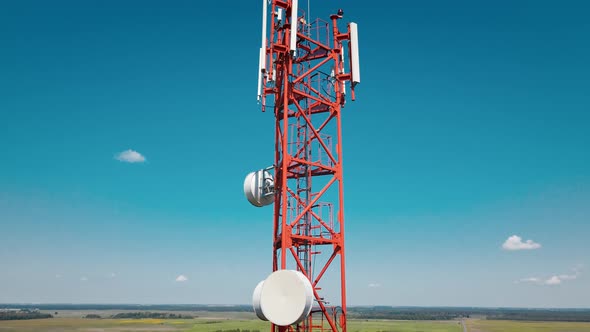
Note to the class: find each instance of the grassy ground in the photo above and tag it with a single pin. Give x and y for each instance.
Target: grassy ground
(403, 326)
(211, 324)
(205, 325)
(518, 326)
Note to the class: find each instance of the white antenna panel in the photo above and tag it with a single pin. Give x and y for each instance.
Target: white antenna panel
(274, 73)
(261, 66)
(293, 42)
(343, 71)
(354, 54)
(262, 55)
(262, 62)
(259, 188)
(258, 93)
(264, 15)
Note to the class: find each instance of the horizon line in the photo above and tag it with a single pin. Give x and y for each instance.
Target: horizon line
(250, 305)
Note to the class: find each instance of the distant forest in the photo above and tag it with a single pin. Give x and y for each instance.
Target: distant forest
(149, 314)
(22, 314)
(133, 307)
(365, 312)
(448, 313)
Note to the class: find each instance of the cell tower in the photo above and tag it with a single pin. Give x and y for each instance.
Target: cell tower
(304, 68)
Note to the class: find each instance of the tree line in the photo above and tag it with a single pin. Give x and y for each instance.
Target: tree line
(148, 314)
(22, 314)
(449, 313)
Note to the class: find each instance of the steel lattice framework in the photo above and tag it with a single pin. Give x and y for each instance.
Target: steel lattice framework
(307, 89)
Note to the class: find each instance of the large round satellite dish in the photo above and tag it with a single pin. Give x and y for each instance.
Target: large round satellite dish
(259, 188)
(256, 301)
(286, 298)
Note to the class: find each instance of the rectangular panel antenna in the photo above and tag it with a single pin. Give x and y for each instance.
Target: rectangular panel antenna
(343, 70)
(261, 66)
(354, 54)
(293, 42)
(264, 15)
(262, 55)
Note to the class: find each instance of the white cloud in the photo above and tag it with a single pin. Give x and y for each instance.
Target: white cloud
(567, 276)
(554, 280)
(130, 156)
(112, 275)
(514, 242)
(83, 279)
(57, 276)
(576, 273)
(374, 285)
(181, 278)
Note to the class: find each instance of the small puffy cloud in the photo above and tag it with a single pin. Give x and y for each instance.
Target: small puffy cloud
(130, 156)
(514, 242)
(112, 275)
(374, 285)
(553, 280)
(181, 278)
(563, 277)
(83, 279)
(57, 276)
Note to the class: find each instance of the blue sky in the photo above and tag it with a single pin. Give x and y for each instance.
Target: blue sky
(472, 124)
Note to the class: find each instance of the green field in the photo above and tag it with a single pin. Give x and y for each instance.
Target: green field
(403, 326)
(217, 325)
(519, 326)
(205, 325)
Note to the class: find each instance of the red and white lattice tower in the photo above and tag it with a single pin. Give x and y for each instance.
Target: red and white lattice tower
(306, 70)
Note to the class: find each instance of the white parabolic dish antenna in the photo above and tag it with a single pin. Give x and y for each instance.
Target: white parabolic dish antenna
(286, 297)
(259, 188)
(256, 300)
